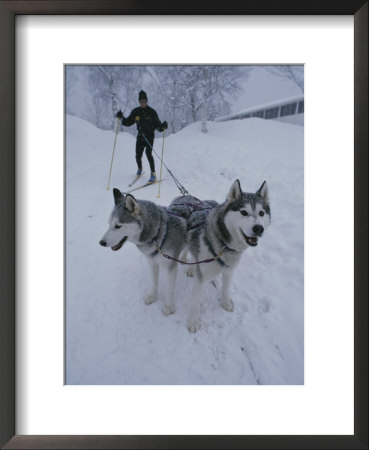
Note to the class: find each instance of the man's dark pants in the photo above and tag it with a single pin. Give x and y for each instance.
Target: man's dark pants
(141, 144)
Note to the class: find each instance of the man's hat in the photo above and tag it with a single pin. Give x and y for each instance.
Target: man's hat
(142, 95)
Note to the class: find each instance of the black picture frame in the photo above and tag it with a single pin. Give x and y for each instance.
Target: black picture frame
(8, 12)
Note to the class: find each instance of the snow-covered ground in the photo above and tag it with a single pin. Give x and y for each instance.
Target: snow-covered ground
(112, 337)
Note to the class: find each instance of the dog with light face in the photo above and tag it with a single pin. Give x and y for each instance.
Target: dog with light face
(154, 232)
(228, 230)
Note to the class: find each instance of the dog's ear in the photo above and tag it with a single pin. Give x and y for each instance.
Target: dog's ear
(131, 204)
(118, 196)
(235, 192)
(263, 192)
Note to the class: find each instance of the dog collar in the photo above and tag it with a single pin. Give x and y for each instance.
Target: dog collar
(225, 247)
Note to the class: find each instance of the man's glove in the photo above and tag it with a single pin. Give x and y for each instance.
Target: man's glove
(120, 114)
(165, 125)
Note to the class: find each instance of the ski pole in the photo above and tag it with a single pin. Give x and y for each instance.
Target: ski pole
(112, 156)
(161, 164)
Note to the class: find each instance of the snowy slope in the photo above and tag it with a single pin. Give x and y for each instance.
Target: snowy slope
(112, 337)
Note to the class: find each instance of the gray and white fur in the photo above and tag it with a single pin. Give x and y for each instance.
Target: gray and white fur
(149, 227)
(223, 232)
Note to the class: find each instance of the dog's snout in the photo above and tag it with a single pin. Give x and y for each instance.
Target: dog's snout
(103, 243)
(258, 230)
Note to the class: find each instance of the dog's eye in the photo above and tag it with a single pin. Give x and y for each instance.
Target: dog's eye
(117, 227)
(244, 213)
(261, 213)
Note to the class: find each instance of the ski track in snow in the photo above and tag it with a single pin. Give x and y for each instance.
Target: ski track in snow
(112, 337)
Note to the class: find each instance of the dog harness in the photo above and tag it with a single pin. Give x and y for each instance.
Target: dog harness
(193, 208)
(216, 258)
(155, 241)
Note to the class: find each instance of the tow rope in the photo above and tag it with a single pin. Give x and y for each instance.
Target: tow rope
(180, 186)
(216, 257)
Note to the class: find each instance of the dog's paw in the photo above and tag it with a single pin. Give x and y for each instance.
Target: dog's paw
(167, 310)
(150, 299)
(227, 305)
(193, 325)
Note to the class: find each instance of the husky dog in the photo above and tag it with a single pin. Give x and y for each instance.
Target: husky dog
(153, 231)
(217, 236)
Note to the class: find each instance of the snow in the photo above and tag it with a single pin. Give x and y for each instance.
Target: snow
(112, 337)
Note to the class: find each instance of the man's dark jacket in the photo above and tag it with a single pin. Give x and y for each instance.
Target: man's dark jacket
(146, 119)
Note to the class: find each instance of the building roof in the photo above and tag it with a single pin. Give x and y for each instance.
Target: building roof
(261, 107)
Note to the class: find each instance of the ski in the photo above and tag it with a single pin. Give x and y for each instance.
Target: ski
(137, 177)
(144, 185)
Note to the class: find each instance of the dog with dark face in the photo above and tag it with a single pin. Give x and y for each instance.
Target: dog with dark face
(218, 234)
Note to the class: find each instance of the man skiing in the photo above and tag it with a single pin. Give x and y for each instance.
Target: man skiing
(147, 121)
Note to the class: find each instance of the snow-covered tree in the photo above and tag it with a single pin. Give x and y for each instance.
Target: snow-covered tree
(100, 105)
(219, 84)
(181, 94)
(113, 88)
(71, 78)
(289, 72)
(112, 75)
(188, 91)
